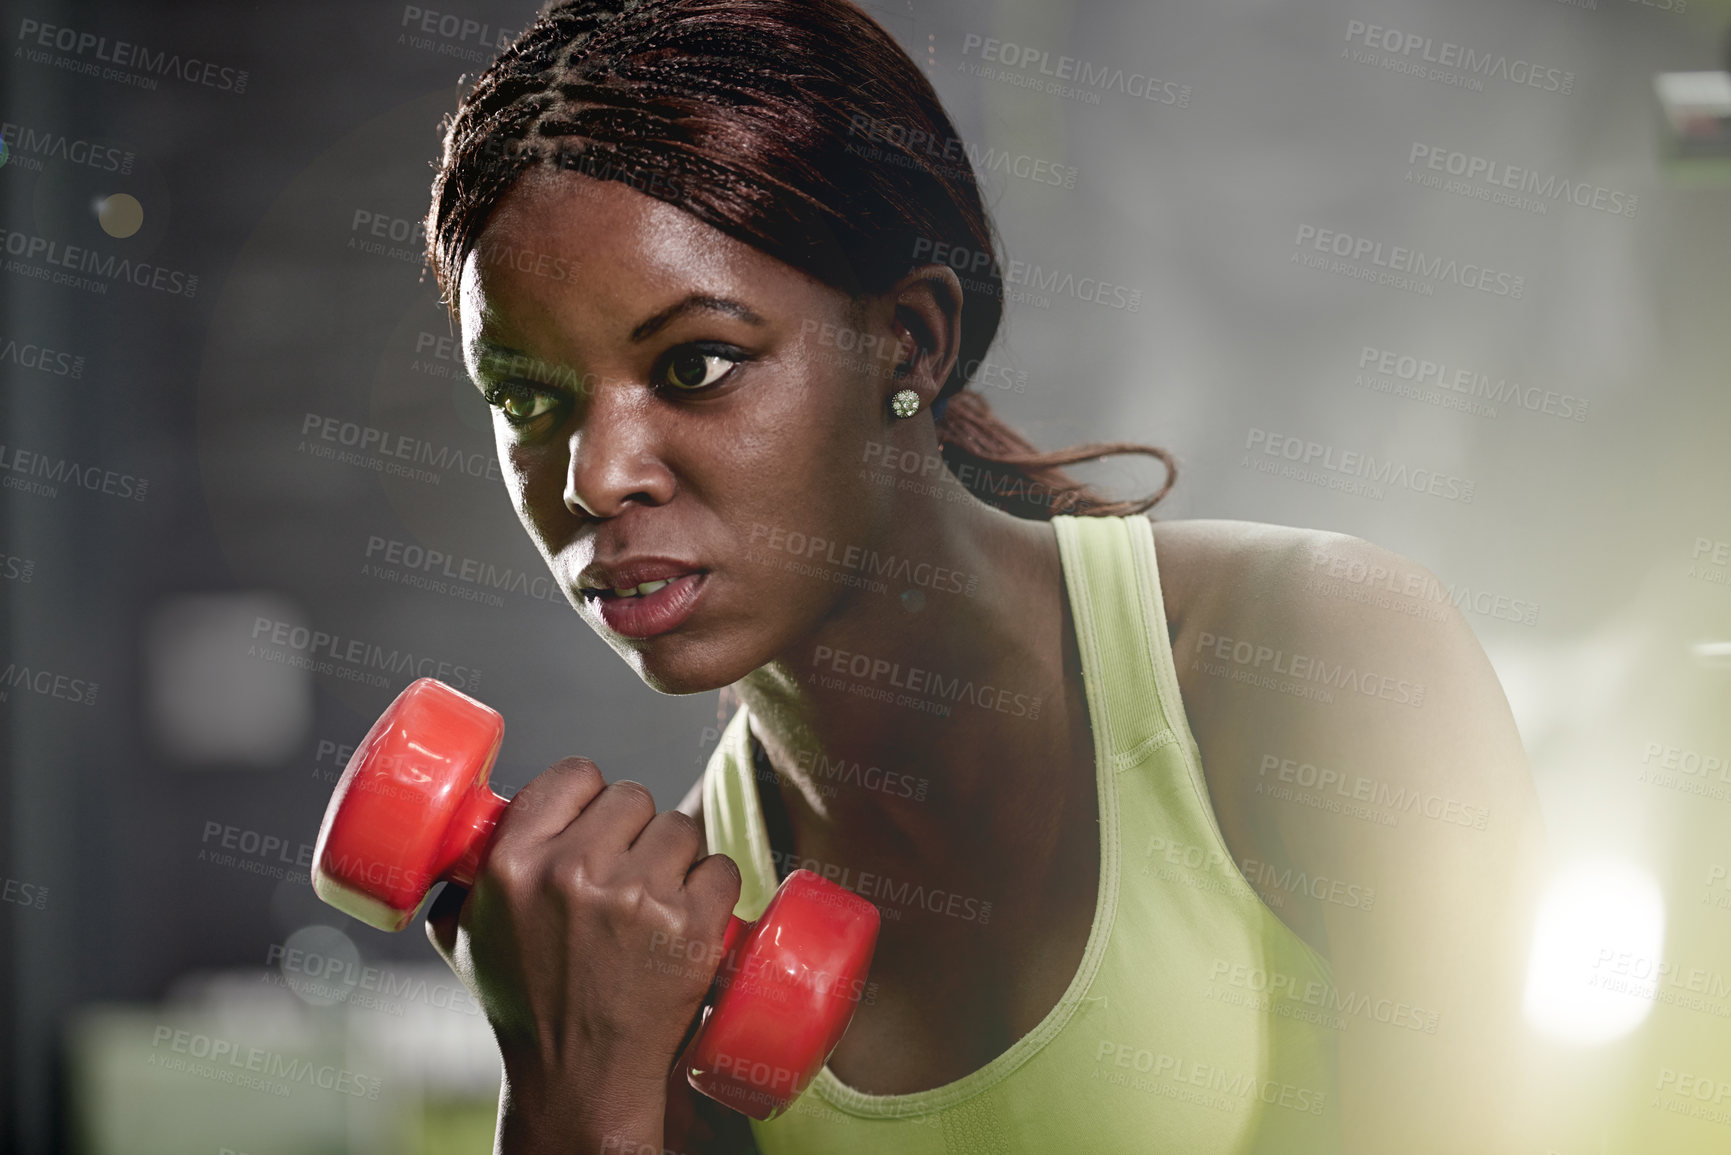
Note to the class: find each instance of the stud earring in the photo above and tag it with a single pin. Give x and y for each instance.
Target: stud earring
(905, 404)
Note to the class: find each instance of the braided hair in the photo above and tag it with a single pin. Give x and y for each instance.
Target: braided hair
(798, 127)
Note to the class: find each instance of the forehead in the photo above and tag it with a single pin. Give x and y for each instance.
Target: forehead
(560, 247)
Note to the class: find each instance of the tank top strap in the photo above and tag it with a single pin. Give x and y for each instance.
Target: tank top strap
(1113, 580)
(733, 816)
(1120, 618)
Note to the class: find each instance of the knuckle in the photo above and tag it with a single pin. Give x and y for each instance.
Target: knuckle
(684, 823)
(574, 764)
(629, 902)
(508, 870)
(577, 770)
(634, 792)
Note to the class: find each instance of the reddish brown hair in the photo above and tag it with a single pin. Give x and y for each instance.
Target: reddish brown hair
(799, 127)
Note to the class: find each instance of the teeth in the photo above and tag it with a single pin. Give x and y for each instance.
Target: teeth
(643, 589)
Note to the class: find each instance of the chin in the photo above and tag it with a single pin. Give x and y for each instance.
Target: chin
(677, 670)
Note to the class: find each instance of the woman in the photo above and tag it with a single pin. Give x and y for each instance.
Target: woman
(723, 271)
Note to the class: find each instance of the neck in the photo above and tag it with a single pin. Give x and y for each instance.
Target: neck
(916, 727)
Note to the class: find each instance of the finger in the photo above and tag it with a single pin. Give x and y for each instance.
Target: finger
(670, 844)
(550, 802)
(612, 822)
(714, 882)
(442, 916)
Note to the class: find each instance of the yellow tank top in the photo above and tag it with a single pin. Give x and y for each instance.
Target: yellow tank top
(1196, 1023)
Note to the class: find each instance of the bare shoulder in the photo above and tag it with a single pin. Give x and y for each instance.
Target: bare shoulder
(1213, 559)
(1325, 637)
(1348, 719)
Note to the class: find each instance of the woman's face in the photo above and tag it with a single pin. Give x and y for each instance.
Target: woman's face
(668, 402)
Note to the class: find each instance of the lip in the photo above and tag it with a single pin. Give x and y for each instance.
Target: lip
(634, 572)
(658, 613)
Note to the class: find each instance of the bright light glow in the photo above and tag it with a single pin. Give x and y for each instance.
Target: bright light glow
(1596, 950)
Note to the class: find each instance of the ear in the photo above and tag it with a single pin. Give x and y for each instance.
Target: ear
(927, 318)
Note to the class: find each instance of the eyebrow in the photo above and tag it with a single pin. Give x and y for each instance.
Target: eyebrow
(653, 325)
(491, 350)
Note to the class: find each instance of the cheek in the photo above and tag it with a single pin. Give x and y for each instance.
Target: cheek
(535, 481)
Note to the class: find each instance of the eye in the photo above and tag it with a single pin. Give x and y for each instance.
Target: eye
(521, 402)
(691, 368)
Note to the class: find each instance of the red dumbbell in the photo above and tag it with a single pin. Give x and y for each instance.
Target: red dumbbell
(413, 808)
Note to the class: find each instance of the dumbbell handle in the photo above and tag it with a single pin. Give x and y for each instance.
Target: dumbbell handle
(471, 830)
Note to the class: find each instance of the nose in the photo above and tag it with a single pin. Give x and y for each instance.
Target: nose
(615, 455)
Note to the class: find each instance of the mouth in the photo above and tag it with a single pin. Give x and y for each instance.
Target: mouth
(652, 606)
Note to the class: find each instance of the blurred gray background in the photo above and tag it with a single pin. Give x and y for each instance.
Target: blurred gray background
(152, 826)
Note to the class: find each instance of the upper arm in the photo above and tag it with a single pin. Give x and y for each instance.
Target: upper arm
(1358, 741)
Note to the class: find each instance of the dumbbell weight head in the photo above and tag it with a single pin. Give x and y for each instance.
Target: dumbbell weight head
(412, 807)
(785, 997)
